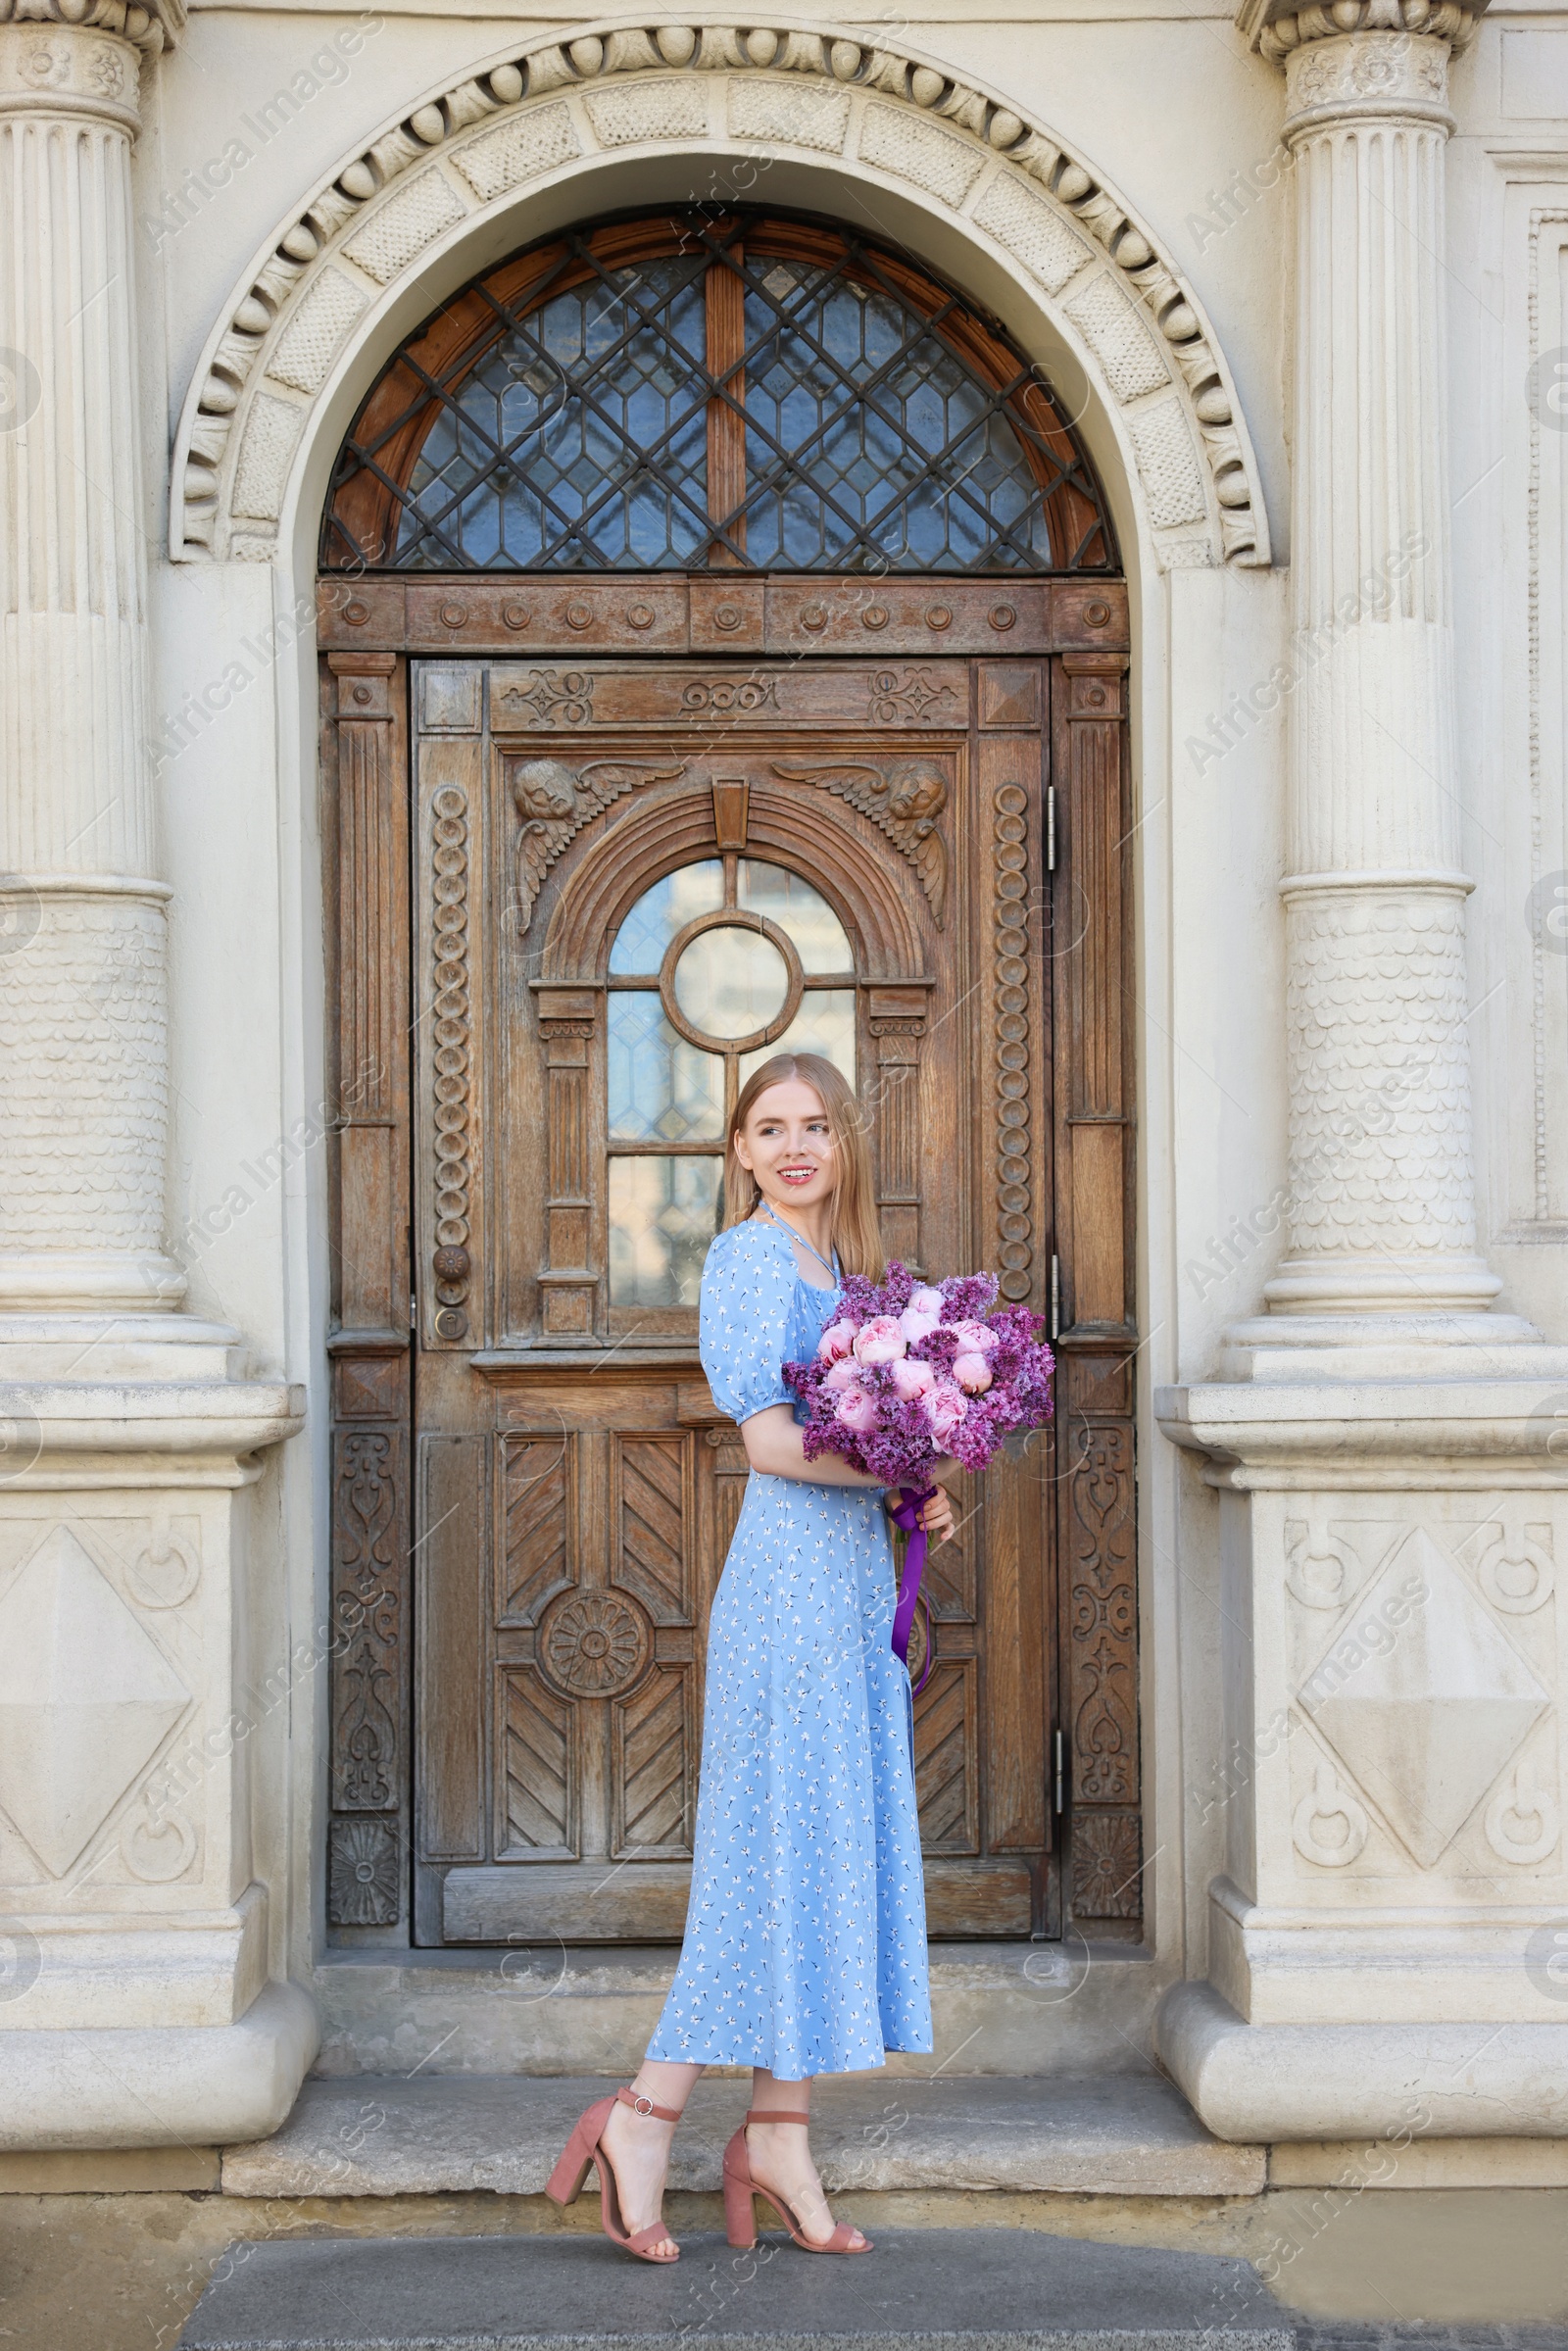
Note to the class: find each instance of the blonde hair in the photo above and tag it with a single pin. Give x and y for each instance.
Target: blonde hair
(855, 1233)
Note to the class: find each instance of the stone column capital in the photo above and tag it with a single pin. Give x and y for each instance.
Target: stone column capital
(148, 24)
(80, 59)
(1277, 29)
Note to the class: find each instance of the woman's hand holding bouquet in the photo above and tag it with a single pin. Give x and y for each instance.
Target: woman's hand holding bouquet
(913, 1374)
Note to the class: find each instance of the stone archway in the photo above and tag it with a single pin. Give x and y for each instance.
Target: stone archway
(395, 215)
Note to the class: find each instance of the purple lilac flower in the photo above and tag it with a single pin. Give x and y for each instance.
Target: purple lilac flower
(899, 1449)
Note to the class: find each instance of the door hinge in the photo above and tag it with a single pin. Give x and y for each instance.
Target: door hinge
(1050, 828)
(1056, 1296)
(1059, 1791)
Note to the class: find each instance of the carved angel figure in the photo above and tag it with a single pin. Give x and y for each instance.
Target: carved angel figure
(905, 799)
(553, 802)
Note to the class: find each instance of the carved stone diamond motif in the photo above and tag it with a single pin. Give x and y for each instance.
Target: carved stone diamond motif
(1422, 1698)
(86, 1698)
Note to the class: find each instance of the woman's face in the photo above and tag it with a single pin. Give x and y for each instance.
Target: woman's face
(787, 1144)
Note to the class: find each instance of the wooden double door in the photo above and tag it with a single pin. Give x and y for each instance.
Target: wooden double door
(578, 900)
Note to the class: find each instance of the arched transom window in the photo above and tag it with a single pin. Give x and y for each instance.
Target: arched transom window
(720, 965)
(680, 393)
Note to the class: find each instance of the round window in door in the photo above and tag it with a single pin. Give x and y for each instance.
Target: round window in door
(718, 965)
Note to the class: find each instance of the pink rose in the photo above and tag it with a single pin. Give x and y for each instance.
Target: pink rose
(927, 1301)
(856, 1408)
(843, 1375)
(912, 1378)
(917, 1326)
(879, 1341)
(973, 1373)
(836, 1341)
(975, 1338)
(943, 1405)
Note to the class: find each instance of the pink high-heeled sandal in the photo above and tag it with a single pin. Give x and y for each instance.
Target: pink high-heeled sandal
(741, 2192)
(564, 2185)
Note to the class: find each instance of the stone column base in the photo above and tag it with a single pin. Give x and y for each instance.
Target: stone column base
(1394, 2082)
(194, 2085)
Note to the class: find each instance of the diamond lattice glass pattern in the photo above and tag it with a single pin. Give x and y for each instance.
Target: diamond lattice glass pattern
(868, 441)
(563, 412)
(661, 1090)
(579, 442)
(663, 1215)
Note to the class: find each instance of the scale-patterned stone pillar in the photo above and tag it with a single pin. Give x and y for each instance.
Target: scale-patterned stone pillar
(84, 997)
(1382, 1208)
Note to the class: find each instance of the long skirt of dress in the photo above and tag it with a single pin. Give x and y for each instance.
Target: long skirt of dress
(805, 1946)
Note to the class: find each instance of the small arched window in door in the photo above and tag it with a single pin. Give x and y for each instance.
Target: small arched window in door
(716, 966)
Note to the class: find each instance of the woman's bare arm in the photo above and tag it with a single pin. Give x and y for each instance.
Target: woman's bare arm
(774, 1447)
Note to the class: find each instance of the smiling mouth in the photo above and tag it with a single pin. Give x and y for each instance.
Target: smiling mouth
(797, 1175)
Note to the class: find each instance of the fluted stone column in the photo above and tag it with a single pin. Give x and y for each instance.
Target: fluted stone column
(83, 1012)
(139, 2006)
(1382, 1199)
(1387, 1827)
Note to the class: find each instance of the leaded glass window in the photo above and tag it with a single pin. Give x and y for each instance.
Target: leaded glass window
(680, 394)
(715, 968)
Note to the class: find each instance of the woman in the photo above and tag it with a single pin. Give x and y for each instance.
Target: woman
(805, 1948)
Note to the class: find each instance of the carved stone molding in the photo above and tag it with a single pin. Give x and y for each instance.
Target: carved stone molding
(56, 70)
(83, 1134)
(1278, 27)
(150, 26)
(1363, 74)
(470, 147)
(1329, 1825)
(1380, 1093)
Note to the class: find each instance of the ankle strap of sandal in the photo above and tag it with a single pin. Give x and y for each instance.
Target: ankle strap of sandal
(640, 2103)
(775, 2114)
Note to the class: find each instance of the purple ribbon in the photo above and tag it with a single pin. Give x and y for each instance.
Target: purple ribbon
(907, 1514)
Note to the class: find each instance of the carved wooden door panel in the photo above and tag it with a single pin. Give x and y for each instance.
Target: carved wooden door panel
(627, 879)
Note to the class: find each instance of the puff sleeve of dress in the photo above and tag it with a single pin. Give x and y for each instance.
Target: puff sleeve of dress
(748, 1299)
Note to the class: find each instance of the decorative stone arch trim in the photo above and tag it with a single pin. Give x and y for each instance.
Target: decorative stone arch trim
(535, 115)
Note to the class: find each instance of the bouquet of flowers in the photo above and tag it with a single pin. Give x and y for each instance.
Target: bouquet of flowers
(909, 1370)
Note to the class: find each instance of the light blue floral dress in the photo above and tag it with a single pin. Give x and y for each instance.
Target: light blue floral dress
(804, 1945)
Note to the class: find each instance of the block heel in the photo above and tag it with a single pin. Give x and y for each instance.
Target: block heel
(584, 2149)
(742, 2191)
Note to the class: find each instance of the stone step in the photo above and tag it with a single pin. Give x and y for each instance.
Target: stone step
(972, 2289)
(1119, 2134)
